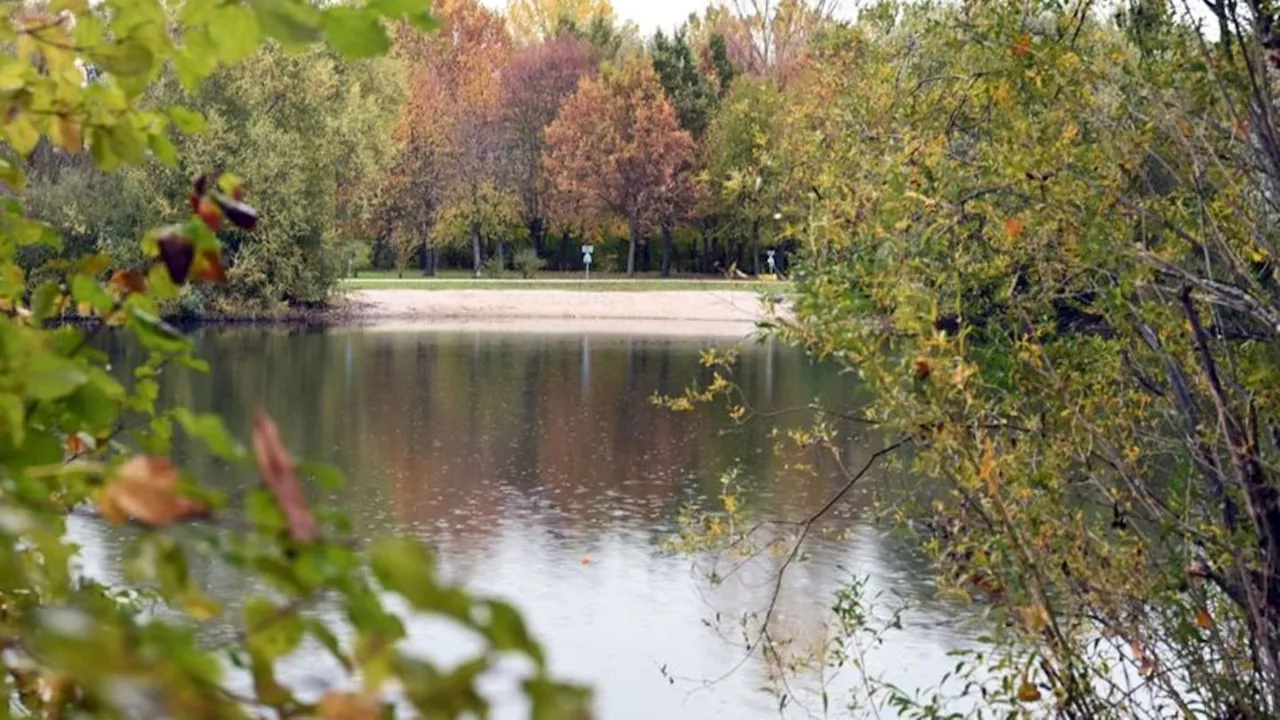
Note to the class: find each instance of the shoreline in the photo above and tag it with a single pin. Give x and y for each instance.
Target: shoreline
(684, 311)
(675, 313)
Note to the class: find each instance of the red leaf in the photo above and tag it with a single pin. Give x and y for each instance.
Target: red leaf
(280, 475)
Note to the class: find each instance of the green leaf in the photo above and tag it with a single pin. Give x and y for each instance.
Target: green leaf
(187, 121)
(237, 33)
(50, 377)
(163, 149)
(155, 334)
(14, 416)
(294, 24)
(93, 407)
(85, 289)
(42, 301)
(209, 429)
(551, 700)
(399, 8)
(128, 58)
(355, 33)
(329, 641)
(21, 133)
(325, 475)
(273, 631)
(127, 143)
(36, 448)
(506, 630)
(407, 567)
(263, 511)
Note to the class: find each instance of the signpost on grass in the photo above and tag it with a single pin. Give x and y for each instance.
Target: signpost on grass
(586, 257)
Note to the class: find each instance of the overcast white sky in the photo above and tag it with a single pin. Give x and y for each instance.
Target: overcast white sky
(650, 15)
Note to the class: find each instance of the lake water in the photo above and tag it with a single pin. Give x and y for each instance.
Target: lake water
(537, 467)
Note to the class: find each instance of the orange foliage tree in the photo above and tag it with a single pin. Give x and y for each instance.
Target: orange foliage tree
(616, 151)
(536, 82)
(450, 124)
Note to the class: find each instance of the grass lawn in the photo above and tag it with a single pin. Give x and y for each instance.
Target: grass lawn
(369, 280)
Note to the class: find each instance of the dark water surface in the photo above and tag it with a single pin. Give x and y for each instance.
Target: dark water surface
(537, 467)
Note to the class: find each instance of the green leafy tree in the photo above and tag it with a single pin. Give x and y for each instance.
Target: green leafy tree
(485, 217)
(689, 91)
(73, 434)
(310, 131)
(746, 169)
(1045, 243)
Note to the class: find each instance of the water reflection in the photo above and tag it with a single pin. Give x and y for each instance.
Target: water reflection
(540, 471)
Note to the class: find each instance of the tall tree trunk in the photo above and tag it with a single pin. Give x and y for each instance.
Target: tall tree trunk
(536, 235)
(426, 256)
(634, 238)
(666, 250)
(476, 259)
(432, 260)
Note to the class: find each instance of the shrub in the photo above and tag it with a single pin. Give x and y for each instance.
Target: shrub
(527, 262)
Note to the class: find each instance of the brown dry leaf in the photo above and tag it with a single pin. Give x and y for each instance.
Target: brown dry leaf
(129, 281)
(281, 478)
(1028, 692)
(922, 369)
(347, 706)
(1013, 227)
(586, 560)
(1023, 46)
(1204, 620)
(75, 445)
(146, 489)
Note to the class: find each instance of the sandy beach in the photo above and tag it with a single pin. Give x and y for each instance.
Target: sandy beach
(678, 312)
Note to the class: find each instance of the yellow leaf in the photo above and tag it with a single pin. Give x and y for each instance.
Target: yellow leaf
(1034, 617)
(65, 134)
(987, 467)
(200, 606)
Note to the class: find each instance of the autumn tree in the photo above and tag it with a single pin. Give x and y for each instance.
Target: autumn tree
(617, 152)
(535, 83)
(764, 37)
(450, 125)
(534, 21)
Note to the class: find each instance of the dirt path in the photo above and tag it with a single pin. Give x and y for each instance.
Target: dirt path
(685, 312)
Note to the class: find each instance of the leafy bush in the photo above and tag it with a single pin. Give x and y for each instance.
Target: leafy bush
(73, 434)
(494, 267)
(527, 262)
(1045, 241)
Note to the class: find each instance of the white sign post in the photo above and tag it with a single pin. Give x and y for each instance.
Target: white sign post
(773, 267)
(586, 257)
